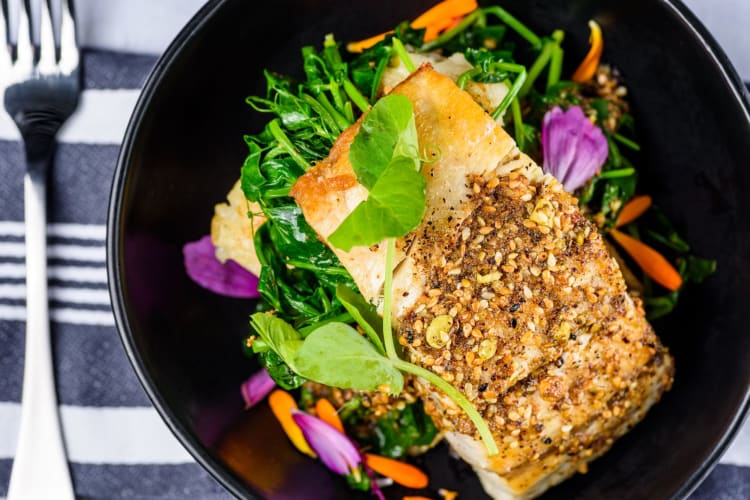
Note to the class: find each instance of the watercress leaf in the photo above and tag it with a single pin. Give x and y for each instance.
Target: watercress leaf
(251, 177)
(395, 206)
(364, 313)
(697, 269)
(388, 130)
(288, 350)
(280, 371)
(336, 355)
(273, 331)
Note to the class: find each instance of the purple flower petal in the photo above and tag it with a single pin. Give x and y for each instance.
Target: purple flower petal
(574, 148)
(228, 279)
(334, 449)
(256, 388)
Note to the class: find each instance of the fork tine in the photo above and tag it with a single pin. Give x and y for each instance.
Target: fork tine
(47, 46)
(11, 24)
(68, 45)
(24, 46)
(4, 44)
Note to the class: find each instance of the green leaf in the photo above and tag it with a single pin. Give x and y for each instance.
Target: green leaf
(336, 355)
(397, 431)
(697, 269)
(387, 131)
(280, 371)
(395, 207)
(364, 313)
(273, 331)
(251, 177)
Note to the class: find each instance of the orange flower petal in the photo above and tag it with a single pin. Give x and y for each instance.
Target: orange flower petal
(401, 472)
(587, 69)
(652, 262)
(327, 413)
(633, 209)
(282, 403)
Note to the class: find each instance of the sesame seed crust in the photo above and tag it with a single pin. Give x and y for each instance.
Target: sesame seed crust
(541, 335)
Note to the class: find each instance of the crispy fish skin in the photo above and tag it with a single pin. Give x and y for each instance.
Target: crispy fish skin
(232, 230)
(508, 292)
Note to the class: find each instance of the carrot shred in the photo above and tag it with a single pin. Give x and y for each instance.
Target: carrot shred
(435, 20)
(282, 403)
(587, 69)
(360, 46)
(401, 472)
(416, 498)
(327, 413)
(447, 9)
(633, 209)
(433, 30)
(652, 262)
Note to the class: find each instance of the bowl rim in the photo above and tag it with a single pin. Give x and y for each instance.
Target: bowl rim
(222, 474)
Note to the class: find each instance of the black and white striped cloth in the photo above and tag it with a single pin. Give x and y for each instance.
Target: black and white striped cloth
(117, 444)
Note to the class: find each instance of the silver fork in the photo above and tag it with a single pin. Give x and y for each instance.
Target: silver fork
(39, 73)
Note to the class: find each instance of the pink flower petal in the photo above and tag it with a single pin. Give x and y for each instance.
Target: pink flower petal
(256, 388)
(228, 279)
(574, 148)
(334, 449)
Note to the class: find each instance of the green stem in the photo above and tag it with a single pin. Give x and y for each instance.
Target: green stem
(451, 33)
(515, 108)
(390, 251)
(467, 75)
(332, 270)
(379, 72)
(341, 120)
(356, 96)
(555, 67)
(515, 25)
(512, 92)
(616, 174)
(457, 397)
(400, 51)
(541, 61)
(286, 144)
(324, 113)
(629, 143)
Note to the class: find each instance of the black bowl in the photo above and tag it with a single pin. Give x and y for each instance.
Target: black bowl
(183, 151)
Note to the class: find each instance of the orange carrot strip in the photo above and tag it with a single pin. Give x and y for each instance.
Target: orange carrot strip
(327, 413)
(401, 472)
(360, 46)
(282, 403)
(633, 209)
(448, 9)
(652, 262)
(587, 69)
(438, 18)
(434, 29)
(416, 498)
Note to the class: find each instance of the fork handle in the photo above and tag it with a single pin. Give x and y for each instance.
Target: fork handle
(40, 469)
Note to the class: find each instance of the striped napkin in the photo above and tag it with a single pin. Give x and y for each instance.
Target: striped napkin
(117, 444)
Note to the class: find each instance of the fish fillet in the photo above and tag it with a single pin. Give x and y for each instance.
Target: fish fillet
(506, 291)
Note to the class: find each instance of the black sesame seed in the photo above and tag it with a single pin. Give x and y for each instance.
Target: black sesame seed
(559, 361)
(515, 307)
(410, 337)
(405, 294)
(547, 440)
(483, 387)
(513, 322)
(573, 336)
